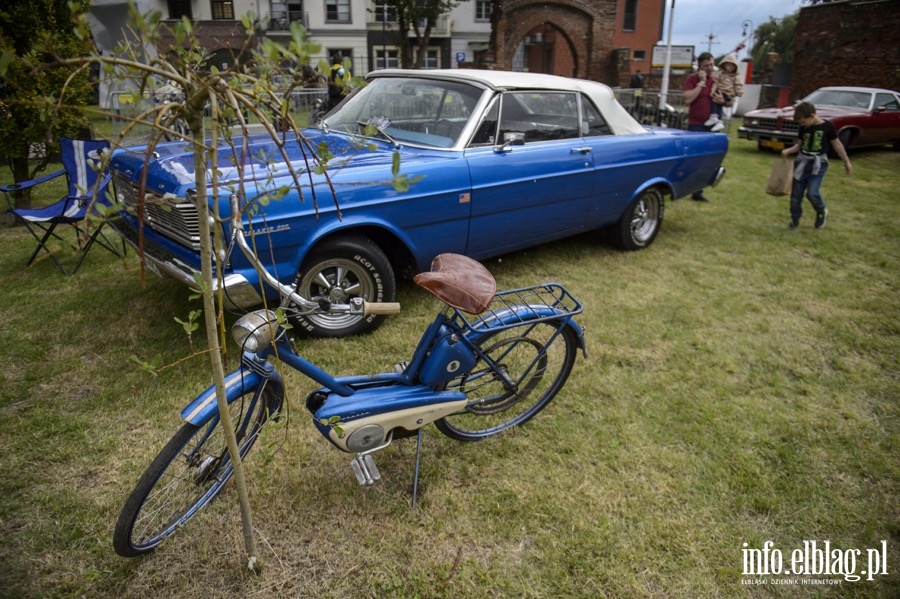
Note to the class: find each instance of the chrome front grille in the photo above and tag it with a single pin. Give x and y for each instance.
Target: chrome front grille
(767, 123)
(784, 124)
(175, 218)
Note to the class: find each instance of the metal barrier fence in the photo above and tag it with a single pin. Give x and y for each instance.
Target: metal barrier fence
(128, 106)
(644, 107)
(400, 106)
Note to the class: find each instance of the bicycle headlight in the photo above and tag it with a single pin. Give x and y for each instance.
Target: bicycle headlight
(255, 330)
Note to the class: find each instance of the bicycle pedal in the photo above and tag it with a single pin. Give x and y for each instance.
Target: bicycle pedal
(365, 470)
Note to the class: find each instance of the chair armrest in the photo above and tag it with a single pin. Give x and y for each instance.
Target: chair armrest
(31, 183)
(88, 196)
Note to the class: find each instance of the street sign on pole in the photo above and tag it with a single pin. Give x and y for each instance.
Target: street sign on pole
(682, 57)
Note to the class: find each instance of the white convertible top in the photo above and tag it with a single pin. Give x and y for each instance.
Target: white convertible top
(617, 117)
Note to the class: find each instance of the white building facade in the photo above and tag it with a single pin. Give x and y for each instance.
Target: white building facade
(362, 30)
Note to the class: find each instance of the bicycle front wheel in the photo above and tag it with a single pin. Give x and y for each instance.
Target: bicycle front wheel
(189, 472)
(526, 367)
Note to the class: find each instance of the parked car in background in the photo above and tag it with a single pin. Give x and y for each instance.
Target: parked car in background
(501, 161)
(863, 116)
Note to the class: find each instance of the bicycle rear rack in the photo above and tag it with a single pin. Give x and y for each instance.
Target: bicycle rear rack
(550, 301)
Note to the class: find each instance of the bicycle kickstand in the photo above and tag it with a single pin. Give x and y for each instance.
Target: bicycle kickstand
(415, 491)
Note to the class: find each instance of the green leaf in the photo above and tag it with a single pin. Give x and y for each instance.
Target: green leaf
(150, 366)
(202, 286)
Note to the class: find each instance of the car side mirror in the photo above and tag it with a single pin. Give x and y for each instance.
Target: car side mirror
(514, 138)
(510, 139)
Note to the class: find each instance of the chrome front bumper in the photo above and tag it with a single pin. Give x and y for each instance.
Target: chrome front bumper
(239, 293)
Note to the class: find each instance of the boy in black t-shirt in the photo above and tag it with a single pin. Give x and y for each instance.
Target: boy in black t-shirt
(812, 161)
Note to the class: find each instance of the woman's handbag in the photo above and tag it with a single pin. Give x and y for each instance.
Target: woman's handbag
(781, 178)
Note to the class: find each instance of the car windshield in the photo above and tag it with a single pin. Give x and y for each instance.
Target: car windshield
(840, 97)
(421, 112)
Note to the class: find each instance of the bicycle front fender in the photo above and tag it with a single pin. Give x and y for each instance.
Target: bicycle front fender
(237, 384)
(523, 315)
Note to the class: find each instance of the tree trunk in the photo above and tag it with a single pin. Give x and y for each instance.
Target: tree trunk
(212, 334)
(22, 198)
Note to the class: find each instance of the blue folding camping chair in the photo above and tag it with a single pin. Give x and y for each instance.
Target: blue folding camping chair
(79, 159)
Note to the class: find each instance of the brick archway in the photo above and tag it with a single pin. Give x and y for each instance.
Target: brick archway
(587, 27)
(547, 49)
(528, 19)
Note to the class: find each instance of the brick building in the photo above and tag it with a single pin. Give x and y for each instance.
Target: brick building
(849, 42)
(603, 40)
(225, 39)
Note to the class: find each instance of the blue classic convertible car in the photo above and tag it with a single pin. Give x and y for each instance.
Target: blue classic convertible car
(498, 161)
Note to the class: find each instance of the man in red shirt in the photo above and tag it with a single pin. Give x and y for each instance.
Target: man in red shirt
(697, 88)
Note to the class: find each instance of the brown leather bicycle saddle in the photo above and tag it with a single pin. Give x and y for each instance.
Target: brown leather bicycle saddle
(460, 282)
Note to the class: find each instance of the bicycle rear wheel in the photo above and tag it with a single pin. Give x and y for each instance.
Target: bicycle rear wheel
(532, 363)
(189, 472)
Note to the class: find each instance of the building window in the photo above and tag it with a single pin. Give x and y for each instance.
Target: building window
(179, 9)
(482, 10)
(393, 60)
(431, 60)
(337, 11)
(385, 13)
(629, 22)
(639, 55)
(346, 54)
(222, 10)
(295, 13)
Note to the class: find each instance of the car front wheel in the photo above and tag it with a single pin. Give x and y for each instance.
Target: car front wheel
(846, 137)
(341, 269)
(640, 223)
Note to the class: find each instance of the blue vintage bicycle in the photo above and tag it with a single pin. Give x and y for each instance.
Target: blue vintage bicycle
(488, 361)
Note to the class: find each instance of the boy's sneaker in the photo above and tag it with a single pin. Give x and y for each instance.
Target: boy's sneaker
(712, 120)
(718, 126)
(794, 224)
(821, 218)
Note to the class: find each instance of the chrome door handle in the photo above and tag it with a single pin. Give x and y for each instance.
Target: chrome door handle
(586, 150)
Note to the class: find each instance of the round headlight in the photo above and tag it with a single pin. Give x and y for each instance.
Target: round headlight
(255, 330)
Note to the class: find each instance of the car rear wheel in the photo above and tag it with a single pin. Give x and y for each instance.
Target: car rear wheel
(640, 223)
(340, 269)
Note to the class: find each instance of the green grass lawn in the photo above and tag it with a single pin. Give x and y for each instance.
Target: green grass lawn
(741, 386)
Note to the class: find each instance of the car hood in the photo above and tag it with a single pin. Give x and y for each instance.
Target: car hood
(825, 111)
(171, 170)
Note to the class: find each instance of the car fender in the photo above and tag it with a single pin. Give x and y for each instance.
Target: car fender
(850, 132)
(356, 224)
(205, 406)
(303, 242)
(654, 182)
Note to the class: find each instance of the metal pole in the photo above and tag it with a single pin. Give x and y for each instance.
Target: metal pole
(384, 32)
(664, 88)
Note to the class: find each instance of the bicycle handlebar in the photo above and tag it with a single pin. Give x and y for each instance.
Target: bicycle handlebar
(370, 308)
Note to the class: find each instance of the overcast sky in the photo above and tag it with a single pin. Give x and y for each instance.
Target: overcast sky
(695, 20)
